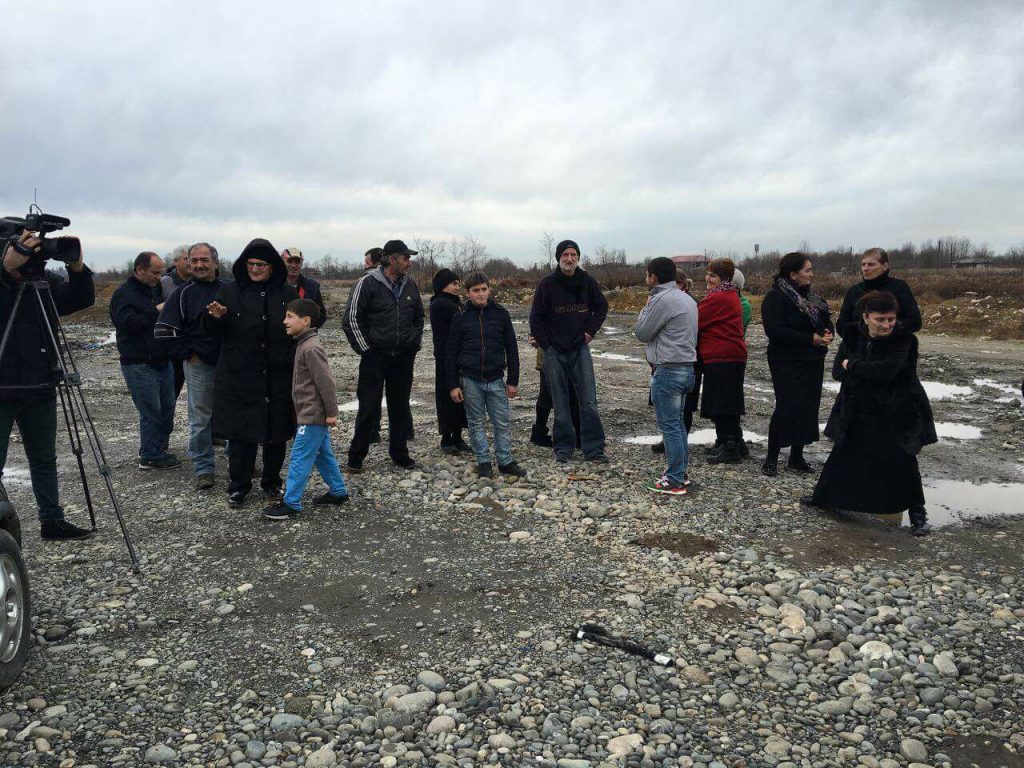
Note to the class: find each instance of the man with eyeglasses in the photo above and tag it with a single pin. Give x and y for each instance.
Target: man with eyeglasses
(383, 321)
(307, 287)
(252, 394)
(180, 325)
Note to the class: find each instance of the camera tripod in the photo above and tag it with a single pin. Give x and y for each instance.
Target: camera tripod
(68, 383)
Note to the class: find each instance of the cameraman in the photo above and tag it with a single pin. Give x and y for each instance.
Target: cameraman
(28, 374)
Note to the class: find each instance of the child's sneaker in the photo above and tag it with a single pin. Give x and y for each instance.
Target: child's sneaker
(664, 485)
(279, 511)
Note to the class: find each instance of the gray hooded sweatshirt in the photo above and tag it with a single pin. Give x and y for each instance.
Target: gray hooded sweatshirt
(668, 326)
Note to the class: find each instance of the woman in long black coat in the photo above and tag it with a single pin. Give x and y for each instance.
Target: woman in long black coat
(799, 330)
(879, 422)
(252, 399)
(444, 306)
(874, 269)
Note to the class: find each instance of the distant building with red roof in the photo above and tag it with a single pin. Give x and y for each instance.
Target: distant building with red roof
(691, 261)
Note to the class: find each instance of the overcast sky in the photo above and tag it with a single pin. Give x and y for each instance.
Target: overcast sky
(660, 128)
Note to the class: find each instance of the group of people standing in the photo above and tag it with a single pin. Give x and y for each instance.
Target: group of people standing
(880, 420)
(234, 343)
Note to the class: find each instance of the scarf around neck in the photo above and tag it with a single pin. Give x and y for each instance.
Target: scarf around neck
(810, 306)
(724, 287)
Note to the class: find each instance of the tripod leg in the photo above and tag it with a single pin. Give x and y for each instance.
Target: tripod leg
(75, 438)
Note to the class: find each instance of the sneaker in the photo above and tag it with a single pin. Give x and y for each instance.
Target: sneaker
(563, 458)
(462, 446)
(920, 529)
(61, 530)
(713, 448)
(512, 469)
(272, 491)
(664, 485)
(204, 482)
(405, 462)
(167, 461)
(483, 469)
(330, 499)
(769, 468)
(543, 439)
(354, 467)
(729, 454)
(599, 458)
(236, 498)
(800, 466)
(279, 511)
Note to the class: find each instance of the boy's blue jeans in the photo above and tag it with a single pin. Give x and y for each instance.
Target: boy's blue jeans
(312, 447)
(485, 398)
(669, 387)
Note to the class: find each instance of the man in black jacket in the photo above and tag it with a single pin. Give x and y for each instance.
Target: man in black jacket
(568, 310)
(27, 380)
(177, 274)
(180, 324)
(145, 361)
(307, 287)
(383, 321)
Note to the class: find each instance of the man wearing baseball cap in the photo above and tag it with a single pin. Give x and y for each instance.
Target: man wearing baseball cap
(307, 287)
(383, 321)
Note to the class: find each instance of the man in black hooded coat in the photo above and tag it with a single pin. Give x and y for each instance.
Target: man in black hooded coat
(252, 403)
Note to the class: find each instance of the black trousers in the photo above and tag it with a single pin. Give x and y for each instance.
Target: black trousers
(391, 375)
(545, 405)
(179, 376)
(727, 428)
(37, 423)
(242, 462)
(451, 417)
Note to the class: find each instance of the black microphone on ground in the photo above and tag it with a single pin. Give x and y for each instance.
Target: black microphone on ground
(597, 634)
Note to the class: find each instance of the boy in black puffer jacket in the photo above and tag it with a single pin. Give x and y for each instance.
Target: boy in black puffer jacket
(481, 343)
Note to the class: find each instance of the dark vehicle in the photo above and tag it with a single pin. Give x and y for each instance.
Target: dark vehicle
(15, 603)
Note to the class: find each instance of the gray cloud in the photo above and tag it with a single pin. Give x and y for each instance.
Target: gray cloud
(657, 127)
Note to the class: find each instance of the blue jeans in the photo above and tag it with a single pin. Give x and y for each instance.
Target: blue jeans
(199, 378)
(152, 389)
(483, 399)
(574, 369)
(670, 385)
(312, 447)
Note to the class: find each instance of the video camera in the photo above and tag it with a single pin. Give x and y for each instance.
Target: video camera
(66, 249)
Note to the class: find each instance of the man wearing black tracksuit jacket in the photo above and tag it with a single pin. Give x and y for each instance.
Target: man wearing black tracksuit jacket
(383, 321)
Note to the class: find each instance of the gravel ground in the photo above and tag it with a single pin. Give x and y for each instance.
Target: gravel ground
(429, 621)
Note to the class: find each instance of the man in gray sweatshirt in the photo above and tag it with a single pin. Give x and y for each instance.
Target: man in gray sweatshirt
(668, 326)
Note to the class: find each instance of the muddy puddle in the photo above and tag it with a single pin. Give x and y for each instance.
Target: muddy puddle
(951, 502)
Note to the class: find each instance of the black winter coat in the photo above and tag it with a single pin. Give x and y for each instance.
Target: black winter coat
(375, 318)
(849, 321)
(481, 343)
(29, 359)
(180, 324)
(133, 312)
(880, 386)
(252, 400)
(790, 332)
(566, 308)
(443, 309)
(308, 288)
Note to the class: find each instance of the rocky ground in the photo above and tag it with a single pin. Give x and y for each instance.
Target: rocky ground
(429, 622)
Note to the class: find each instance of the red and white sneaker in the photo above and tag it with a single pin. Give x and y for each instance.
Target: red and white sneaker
(664, 485)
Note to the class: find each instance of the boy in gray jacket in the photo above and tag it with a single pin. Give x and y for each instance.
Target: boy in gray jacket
(316, 409)
(668, 326)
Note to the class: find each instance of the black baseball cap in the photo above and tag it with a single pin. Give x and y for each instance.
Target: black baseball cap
(397, 246)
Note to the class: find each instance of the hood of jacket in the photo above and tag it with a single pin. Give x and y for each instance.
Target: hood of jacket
(262, 249)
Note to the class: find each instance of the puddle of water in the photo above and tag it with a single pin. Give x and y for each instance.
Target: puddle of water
(954, 431)
(954, 501)
(1010, 392)
(610, 330)
(353, 405)
(16, 476)
(617, 356)
(936, 390)
(697, 437)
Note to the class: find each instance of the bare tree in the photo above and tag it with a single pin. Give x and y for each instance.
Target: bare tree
(547, 247)
(432, 253)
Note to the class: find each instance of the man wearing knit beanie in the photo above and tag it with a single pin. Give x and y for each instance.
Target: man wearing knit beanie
(445, 304)
(568, 310)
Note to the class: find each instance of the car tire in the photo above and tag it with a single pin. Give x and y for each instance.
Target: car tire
(15, 611)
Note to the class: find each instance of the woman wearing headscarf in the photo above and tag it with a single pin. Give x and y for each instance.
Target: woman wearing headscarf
(799, 330)
(880, 421)
(723, 356)
(444, 306)
(252, 399)
(874, 269)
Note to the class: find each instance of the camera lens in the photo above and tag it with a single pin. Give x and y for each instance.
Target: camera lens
(66, 249)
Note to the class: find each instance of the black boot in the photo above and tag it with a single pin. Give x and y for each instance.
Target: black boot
(658, 447)
(539, 436)
(919, 521)
(711, 450)
(730, 454)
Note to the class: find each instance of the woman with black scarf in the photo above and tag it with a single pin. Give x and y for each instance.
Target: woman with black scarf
(444, 306)
(880, 421)
(799, 330)
(874, 268)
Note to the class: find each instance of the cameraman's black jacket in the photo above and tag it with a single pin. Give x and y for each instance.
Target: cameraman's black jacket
(29, 359)
(133, 312)
(252, 387)
(384, 320)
